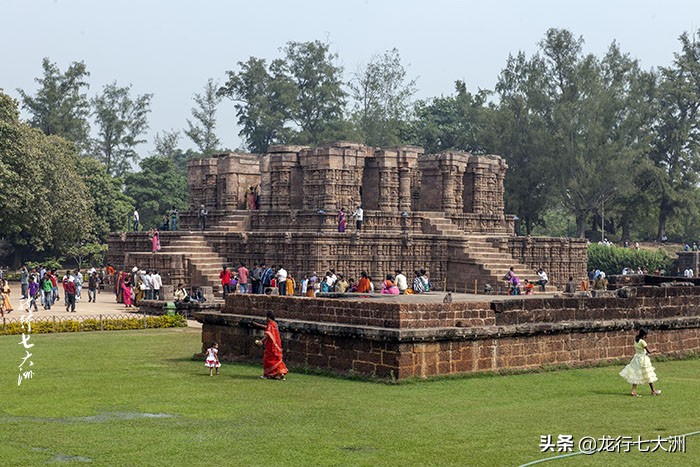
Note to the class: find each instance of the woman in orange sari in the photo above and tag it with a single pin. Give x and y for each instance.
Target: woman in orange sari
(273, 366)
(364, 285)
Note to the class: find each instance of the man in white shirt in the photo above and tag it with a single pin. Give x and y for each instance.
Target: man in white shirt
(359, 217)
(282, 280)
(543, 279)
(137, 220)
(148, 282)
(156, 283)
(401, 281)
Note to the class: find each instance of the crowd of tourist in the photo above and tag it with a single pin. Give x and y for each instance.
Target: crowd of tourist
(41, 285)
(275, 279)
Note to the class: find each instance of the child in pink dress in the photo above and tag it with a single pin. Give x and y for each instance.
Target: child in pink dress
(212, 359)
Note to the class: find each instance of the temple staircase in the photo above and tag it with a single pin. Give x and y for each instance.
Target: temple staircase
(204, 262)
(474, 258)
(236, 222)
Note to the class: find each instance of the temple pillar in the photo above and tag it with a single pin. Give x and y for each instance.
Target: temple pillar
(282, 188)
(449, 203)
(404, 189)
(386, 203)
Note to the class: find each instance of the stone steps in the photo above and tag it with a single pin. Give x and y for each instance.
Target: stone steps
(233, 223)
(206, 262)
(481, 260)
(492, 263)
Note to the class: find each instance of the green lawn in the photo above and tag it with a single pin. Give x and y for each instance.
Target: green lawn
(92, 392)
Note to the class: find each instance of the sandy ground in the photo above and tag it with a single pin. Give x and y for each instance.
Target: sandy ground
(105, 304)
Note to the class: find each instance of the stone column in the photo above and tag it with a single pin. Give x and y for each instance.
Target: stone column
(404, 189)
(449, 204)
(282, 187)
(385, 182)
(327, 196)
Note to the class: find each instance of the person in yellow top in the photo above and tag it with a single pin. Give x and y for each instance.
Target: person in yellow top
(291, 285)
(639, 370)
(6, 305)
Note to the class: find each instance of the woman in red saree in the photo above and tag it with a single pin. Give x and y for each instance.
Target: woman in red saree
(273, 366)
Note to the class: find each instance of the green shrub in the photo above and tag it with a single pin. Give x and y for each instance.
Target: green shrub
(94, 324)
(613, 259)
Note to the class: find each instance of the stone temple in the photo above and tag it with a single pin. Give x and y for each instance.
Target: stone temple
(442, 212)
(439, 212)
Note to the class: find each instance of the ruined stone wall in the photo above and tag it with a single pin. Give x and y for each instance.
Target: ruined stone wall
(559, 257)
(220, 182)
(458, 182)
(483, 189)
(404, 340)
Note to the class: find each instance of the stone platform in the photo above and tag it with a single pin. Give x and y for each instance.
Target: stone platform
(419, 336)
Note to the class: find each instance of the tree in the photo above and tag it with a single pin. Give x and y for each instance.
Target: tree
(41, 193)
(260, 102)
(584, 117)
(60, 106)
(166, 146)
(156, 188)
(108, 208)
(382, 98)
(296, 99)
(121, 121)
(318, 98)
(675, 152)
(92, 252)
(450, 123)
(520, 133)
(202, 132)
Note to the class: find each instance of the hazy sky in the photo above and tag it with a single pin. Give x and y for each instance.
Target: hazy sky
(170, 48)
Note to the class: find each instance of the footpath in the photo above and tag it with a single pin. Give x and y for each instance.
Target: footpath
(105, 304)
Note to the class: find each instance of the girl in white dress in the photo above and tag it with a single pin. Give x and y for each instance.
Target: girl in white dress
(212, 360)
(639, 370)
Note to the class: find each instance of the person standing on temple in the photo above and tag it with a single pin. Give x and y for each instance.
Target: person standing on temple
(202, 217)
(266, 278)
(243, 274)
(255, 278)
(137, 219)
(359, 217)
(281, 277)
(173, 219)
(225, 276)
(342, 221)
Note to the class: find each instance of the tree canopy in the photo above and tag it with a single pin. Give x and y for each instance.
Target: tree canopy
(61, 106)
(593, 141)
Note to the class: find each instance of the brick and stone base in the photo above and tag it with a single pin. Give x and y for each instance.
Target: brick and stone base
(397, 338)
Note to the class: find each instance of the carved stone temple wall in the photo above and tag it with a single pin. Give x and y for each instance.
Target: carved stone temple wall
(441, 212)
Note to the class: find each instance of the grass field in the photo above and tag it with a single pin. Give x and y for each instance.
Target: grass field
(136, 398)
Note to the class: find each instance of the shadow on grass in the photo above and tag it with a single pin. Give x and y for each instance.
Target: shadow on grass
(231, 376)
(611, 393)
